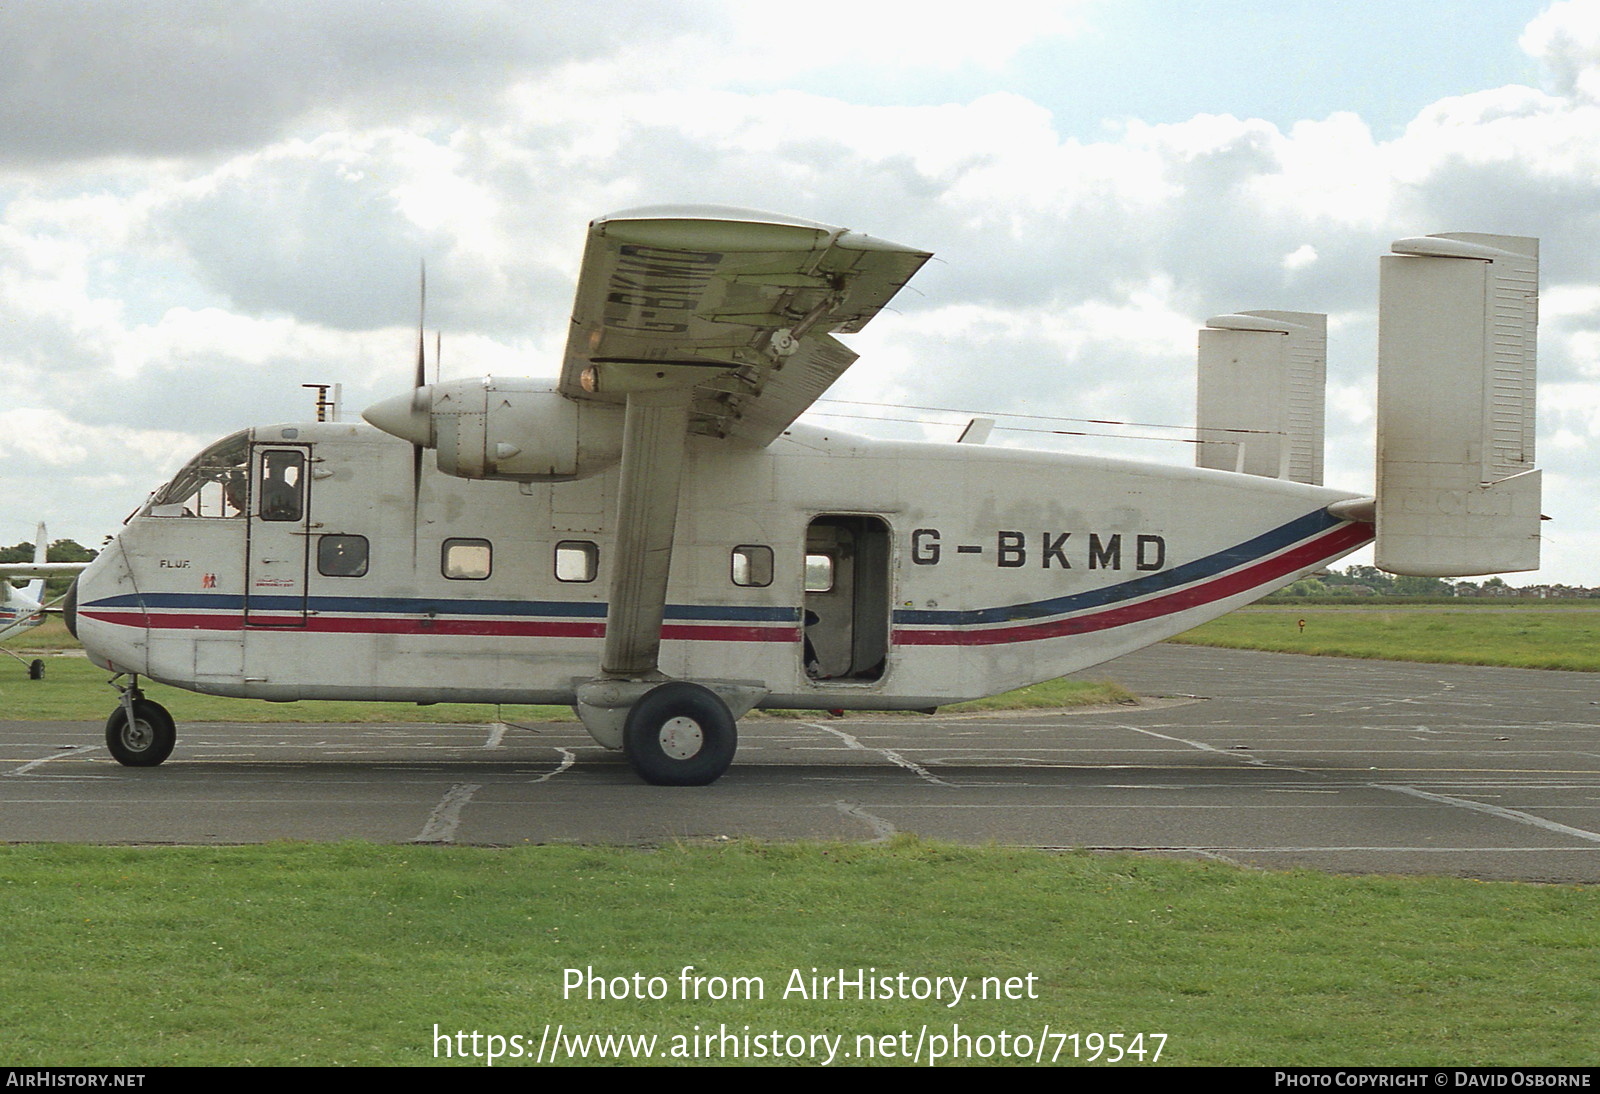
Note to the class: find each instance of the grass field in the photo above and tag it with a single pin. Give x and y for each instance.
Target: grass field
(356, 954)
(291, 954)
(1560, 636)
(73, 690)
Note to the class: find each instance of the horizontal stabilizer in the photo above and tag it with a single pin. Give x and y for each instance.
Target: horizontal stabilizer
(1457, 490)
(1260, 408)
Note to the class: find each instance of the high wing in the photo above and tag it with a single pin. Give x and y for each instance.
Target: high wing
(693, 320)
(737, 306)
(38, 568)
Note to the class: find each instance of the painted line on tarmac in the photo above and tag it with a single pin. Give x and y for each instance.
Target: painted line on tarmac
(568, 758)
(64, 753)
(1203, 747)
(446, 816)
(888, 753)
(1495, 811)
(883, 831)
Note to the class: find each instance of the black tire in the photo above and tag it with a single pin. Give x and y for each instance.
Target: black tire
(680, 734)
(36, 669)
(148, 741)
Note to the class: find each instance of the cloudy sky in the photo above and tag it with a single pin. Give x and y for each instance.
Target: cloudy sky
(205, 204)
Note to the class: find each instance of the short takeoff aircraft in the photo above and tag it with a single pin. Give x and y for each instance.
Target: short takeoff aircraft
(654, 540)
(23, 609)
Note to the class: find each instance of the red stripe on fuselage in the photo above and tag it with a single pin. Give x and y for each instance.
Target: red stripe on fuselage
(1331, 545)
(188, 621)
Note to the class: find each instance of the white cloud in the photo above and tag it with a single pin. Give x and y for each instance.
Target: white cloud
(921, 34)
(1301, 257)
(1566, 39)
(174, 283)
(80, 79)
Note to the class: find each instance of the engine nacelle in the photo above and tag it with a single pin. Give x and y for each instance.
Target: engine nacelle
(517, 429)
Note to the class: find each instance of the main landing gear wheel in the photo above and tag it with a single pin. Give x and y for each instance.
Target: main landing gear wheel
(36, 669)
(147, 740)
(679, 734)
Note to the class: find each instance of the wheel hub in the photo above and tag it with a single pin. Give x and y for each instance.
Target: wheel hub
(136, 735)
(681, 738)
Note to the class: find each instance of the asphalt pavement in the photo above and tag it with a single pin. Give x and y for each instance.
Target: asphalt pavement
(1265, 760)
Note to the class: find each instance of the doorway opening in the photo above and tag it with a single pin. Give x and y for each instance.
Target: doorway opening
(847, 597)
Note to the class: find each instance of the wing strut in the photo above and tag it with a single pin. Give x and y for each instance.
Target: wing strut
(632, 704)
(655, 429)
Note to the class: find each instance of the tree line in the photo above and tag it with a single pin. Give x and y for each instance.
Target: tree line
(60, 550)
(1364, 581)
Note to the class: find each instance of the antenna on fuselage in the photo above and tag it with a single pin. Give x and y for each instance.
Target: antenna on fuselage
(327, 409)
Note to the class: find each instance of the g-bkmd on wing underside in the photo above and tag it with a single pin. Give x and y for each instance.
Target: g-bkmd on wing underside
(738, 305)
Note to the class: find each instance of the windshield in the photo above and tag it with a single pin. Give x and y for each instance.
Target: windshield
(210, 485)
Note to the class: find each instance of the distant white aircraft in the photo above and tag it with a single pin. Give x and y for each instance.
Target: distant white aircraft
(23, 609)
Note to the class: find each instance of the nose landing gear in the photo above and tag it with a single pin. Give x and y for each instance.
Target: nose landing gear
(140, 732)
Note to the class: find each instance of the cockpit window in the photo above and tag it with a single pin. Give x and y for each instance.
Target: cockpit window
(213, 484)
(282, 476)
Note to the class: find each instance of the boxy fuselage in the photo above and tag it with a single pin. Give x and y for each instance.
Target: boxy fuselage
(828, 570)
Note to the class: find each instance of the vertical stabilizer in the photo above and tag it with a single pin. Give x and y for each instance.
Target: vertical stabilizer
(34, 590)
(1457, 490)
(1260, 409)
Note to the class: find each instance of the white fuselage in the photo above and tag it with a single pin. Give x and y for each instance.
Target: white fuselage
(937, 572)
(19, 612)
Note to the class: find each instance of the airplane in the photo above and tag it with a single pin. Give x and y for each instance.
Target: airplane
(655, 540)
(24, 609)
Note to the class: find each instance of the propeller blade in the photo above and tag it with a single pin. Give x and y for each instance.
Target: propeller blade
(422, 313)
(418, 399)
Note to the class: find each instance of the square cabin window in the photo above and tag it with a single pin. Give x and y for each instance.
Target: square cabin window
(752, 565)
(342, 556)
(577, 560)
(467, 559)
(819, 572)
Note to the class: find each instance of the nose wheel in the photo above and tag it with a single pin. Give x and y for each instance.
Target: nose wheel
(140, 732)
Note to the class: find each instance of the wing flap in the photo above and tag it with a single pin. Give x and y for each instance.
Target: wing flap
(747, 300)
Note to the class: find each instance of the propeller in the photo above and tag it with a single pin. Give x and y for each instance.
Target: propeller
(410, 416)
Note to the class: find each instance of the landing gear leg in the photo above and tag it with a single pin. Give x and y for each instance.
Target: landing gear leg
(140, 732)
(35, 667)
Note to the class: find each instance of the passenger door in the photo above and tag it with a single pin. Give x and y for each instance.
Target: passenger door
(278, 553)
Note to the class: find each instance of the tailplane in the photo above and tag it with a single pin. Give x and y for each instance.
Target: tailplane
(1260, 408)
(1457, 490)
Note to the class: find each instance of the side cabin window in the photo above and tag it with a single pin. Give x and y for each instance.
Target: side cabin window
(467, 559)
(577, 560)
(342, 556)
(213, 484)
(752, 565)
(819, 572)
(283, 475)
